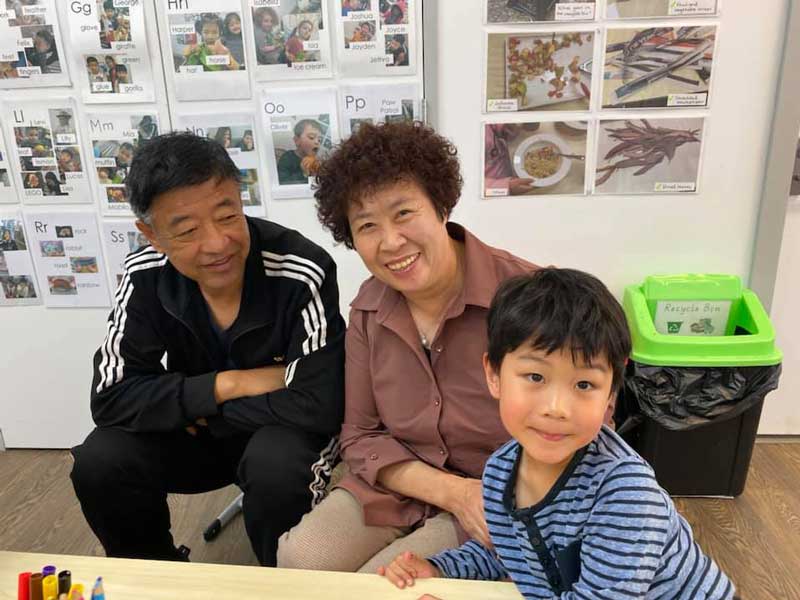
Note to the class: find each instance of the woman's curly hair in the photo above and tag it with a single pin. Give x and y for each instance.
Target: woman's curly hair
(377, 156)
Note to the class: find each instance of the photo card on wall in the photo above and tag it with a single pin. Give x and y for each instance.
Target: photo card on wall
(539, 70)
(535, 11)
(108, 44)
(291, 39)
(115, 136)
(302, 129)
(31, 48)
(376, 37)
(69, 261)
(640, 9)
(18, 285)
(658, 67)
(51, 168)
(237, 133)
(7, 193)
(535, 158)
(649, 156)
(120, 238)
(206, 41)
(378, 103)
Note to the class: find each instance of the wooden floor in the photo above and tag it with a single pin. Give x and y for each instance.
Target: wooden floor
(755, 538)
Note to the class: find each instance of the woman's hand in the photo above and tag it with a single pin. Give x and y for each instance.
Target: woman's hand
(467, 506)
(406, 568)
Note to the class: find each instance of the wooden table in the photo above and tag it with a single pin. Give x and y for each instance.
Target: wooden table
(126, 579)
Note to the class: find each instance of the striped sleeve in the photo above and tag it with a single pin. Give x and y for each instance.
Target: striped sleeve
(313, 398)
(625, 535)
(130, 388)
(470, 561)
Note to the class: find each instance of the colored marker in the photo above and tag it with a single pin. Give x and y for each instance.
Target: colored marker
(36, 586)
(24, 586)
(64, 581)
(49, 587)
(76, 591)
(97, 590)
(48, 570)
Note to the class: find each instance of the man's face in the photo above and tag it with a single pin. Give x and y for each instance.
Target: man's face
(210, 33)
(203, 231)
(308, 142)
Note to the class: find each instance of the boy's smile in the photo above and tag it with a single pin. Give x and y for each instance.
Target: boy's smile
(551, 405)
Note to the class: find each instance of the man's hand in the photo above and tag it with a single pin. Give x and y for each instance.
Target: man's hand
(230, 385)
(192, 429)
(406, 568)
(467, 506)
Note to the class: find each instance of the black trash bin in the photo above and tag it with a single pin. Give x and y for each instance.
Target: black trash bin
(691, 403)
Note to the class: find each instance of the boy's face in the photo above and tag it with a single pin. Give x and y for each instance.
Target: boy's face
(308, 142)
(210, 33)
(94, 67)
(550, 405)
(122, 76)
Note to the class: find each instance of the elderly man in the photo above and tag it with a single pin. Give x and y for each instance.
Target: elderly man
(223, 362)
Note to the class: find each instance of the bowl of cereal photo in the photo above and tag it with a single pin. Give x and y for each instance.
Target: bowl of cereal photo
(541, 158)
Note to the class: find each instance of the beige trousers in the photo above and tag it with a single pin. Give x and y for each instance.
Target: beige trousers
(333, 537)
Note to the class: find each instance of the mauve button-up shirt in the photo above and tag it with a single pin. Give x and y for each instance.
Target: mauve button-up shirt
(400, 406)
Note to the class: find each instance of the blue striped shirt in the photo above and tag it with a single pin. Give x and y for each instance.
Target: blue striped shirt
(605, 530)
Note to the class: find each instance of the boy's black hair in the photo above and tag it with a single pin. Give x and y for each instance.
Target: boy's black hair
(171, 161)
(553, 308)
(91, 59)
(210, 18)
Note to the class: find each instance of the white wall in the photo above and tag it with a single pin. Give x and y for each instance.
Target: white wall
(45, 368)
(781, 415)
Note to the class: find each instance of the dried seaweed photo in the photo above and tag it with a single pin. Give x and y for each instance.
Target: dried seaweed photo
(647, 156)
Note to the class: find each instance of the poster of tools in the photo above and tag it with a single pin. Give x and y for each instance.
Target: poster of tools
(658, 67)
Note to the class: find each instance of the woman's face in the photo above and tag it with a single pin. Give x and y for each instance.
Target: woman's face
(247, 140)
(401, 239)
(235, 25)
(226, 138)
(304, 31)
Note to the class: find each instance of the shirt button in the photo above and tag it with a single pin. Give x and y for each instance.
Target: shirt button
(439, 348)
(437, 402)
(373, 456)
(536, 541)
(441, 451)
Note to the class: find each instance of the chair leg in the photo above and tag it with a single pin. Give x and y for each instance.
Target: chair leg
(216, 526)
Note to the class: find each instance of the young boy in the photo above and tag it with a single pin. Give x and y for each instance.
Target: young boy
(295, 166)
(572, 510)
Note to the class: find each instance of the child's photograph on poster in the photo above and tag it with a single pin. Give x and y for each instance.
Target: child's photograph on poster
(12, 236)
(648, 156)
(108, 73)
(288, 32)
(207, 42)
(301, 143)
(393, 12)
(535, 158)
(539, 71)
(234, 138)
(658, 67)
(532, 11)
(17, 287)
(115, 23)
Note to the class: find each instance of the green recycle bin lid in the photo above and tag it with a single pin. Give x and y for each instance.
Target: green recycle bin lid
(694, 320)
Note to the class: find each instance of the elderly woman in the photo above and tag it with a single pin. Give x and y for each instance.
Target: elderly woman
(419, 421)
